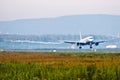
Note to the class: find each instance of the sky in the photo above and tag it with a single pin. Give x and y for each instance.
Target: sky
(32, 9)
(22, 9)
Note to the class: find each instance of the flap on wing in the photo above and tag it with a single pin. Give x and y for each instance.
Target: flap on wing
(71, 42)
(100, 41)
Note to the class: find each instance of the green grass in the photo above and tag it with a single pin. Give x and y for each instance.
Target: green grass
(37, 71)
(70, 66)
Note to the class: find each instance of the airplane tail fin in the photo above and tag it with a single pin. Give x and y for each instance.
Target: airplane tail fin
(80, 36)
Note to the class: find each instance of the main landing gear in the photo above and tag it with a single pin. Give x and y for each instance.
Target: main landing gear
(91, 47)
(80, 47)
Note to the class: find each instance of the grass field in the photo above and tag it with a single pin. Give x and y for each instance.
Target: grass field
(59, 66)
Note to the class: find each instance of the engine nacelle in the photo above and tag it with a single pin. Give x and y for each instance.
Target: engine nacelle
(78, 44)
(96, 44)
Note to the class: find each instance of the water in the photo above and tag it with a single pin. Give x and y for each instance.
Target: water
(36, 46)
(27, 45)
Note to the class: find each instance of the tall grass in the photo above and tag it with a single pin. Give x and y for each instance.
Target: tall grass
(47, 66)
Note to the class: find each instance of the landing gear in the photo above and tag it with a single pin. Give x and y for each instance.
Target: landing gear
(80, 47)
(90, 46)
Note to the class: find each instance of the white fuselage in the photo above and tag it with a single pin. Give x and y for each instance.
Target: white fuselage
(87, 39)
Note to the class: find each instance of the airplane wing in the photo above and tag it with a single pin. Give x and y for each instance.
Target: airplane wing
(101, 41)
(97, 42)
(71, 42)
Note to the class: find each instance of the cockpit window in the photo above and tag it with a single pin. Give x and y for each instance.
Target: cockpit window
(91, 38)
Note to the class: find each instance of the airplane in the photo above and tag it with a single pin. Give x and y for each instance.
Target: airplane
(85, 41)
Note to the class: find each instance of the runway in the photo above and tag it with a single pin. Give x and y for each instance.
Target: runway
(63, 50)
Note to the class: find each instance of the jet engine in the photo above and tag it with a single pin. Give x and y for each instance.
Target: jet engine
(78, 44)
(96, 43)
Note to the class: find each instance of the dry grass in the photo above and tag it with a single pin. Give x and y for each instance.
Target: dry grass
(99, 59)
(59, 66)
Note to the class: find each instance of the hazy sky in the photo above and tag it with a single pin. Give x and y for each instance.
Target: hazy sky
(19, 9)
(25, 9)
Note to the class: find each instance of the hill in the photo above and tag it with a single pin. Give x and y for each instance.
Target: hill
(89, 24)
